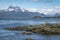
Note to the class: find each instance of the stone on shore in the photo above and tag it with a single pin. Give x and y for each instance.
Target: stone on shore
(27, 33)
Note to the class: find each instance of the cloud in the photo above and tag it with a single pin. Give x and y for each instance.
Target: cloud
(32, 9)
(53, 10)
(57, 8)
(46, 11)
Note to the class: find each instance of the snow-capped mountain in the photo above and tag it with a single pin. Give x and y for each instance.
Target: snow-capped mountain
(20, 13)
(12, 8)
(16, 12)
(57, 15)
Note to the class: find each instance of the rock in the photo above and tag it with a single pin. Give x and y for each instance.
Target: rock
(39, 29)
(28, 33)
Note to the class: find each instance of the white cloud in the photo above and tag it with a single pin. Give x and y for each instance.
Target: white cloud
(32, 9)
(23, 9)
(47, 11)
(55, 9)
(11, 9)
(52, 11)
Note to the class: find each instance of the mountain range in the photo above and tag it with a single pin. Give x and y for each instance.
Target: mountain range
(17, 13)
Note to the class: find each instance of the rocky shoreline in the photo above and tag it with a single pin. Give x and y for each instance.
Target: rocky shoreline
(46, 28)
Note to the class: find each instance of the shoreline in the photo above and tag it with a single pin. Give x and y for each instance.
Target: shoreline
(46, 28)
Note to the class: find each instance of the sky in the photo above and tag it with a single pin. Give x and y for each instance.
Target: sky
(32, 5)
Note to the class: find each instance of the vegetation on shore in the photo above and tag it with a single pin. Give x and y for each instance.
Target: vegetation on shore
(47, 28)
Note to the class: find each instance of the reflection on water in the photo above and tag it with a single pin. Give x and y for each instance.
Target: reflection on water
(16, 35)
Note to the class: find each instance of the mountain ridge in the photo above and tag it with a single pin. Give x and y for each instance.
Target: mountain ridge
(16, 12)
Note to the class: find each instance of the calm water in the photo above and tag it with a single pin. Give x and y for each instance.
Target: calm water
(15, 35)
